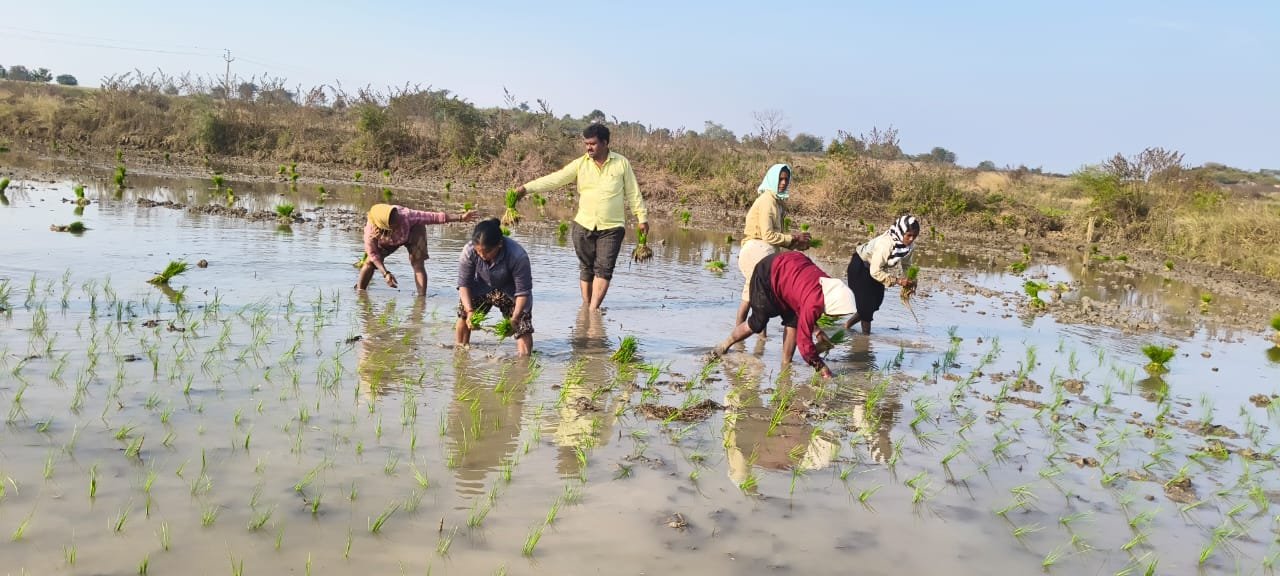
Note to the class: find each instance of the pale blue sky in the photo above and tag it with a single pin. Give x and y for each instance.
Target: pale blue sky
(1055, 84)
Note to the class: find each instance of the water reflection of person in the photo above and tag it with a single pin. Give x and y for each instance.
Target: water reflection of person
(585, 421)
(388, 352)
(484, 418)
(747, 441)
(875, 424)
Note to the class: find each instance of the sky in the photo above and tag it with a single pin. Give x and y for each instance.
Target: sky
(1050, 84)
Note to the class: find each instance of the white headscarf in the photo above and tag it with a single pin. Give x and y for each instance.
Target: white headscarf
(899, 229)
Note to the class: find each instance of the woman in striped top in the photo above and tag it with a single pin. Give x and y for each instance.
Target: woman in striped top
(873, 268)
(390, 227)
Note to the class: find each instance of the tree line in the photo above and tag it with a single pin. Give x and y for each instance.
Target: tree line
(19, 73)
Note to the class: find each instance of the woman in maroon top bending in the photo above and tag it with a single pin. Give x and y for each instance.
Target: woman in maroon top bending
(790, 285)
(390, 227)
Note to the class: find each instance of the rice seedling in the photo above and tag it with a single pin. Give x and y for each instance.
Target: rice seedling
(285, 211)
(685, 216)
(1052, 557)
(446, 540)
(119, 177)
(375, 525)
(209, 514)
(716, 266)
(4, 185)
(387, 195)
(562, 232)
(81, 201)
(21, 530)
(260, 519)
(511, 216)
(643, 253)
(626, 352)
(531, 541)
(813, 242)
(1158, 357)
(174, 268)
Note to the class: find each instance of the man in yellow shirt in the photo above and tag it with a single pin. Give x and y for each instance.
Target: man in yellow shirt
(605, 184)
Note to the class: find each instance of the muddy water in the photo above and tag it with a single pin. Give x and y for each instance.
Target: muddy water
(283, 414)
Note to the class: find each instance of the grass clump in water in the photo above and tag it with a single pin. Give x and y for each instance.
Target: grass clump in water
(626, 352)
(716, 266)
(4, 184)
(80, 199)
(285, 211)
(174, 268)
(1158, 356)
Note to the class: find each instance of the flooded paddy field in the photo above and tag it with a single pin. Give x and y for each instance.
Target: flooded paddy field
(259, 416)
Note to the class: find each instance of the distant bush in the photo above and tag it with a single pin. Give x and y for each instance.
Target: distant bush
(212, 133)
(67, 80)
(986, 166)
(1113, 199)
(933, 192)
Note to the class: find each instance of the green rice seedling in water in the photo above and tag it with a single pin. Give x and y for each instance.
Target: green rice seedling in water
(531, 541)
(387, 195)
(119, 177)
(626, 352)
(21, 530)
(562, 231)
(142, 567)
(285, 211)
(174, 268)
(1158, 356)
(1052, 558)
(685, 216)
(375, 525)
(4, 185)
(218, 181)
(442, 547)
(716, 266)
(359, 175)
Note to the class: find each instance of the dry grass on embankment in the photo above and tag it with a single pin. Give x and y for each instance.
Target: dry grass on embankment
(423, 132)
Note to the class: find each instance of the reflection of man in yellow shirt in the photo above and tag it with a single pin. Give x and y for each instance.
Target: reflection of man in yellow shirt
(584, 422)
(604, 181)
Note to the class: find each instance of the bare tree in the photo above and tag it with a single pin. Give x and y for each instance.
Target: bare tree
(771, 126)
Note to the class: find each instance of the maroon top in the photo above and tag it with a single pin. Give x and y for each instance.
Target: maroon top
(794, 279)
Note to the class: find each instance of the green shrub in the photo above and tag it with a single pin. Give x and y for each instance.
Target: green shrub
(1112, 199)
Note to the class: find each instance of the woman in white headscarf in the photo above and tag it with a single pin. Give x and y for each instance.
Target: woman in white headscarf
(875, 265)
(765, 231)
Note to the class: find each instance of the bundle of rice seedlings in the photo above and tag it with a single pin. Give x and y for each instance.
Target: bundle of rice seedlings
(80, 199)
(285, 211)
(477, 318)
(74, 227)
(4, 183)
(813, 242)
(716, 266)
(642, 253)
(511, 217)
(502, 329)
(364, 257)
(1159, 356)
(913, 274)
(174, 268)
(626, 351)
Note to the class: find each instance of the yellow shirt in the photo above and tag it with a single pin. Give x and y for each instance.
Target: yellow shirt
(765, 220)
(602, 190)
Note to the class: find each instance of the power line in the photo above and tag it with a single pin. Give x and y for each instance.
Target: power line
(113, 42)
(108, 46)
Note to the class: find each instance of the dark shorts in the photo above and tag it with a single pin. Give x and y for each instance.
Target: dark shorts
(484, 302)
(597, 251)
(868, 294)
(763, 303)
(416, 244)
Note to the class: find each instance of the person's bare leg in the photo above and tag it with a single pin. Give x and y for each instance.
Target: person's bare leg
(524, 345)
(366, 275)
(788, 344)
(420, 275)
(462, 333)
(599, 289)
(585, 285)
(848, 324)
(740, 332)
(743, 308)
(866, 326)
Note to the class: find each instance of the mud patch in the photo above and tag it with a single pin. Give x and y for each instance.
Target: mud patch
(695, 413)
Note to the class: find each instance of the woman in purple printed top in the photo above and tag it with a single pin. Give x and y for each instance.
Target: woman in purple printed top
(390, 227)
(493, 271)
